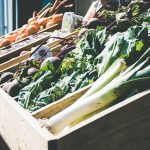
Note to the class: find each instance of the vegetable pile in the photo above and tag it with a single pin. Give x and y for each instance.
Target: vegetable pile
(38, 22)
(115, 58)
(84, 65)
(135, 78)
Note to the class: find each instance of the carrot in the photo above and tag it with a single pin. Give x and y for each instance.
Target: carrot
(5, 42)
(31, 29)
(43, 21)
(31, 19)
(21, 36)
(35, 23)
(10, 38)
(41, 27)
(57, 18)
(49, 24)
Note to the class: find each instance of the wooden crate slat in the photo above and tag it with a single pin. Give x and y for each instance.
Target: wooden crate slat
(55, 48)
(124, 126)
(19, 128)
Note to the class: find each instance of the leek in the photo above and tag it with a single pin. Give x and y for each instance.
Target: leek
(117, 67)
(107, 95)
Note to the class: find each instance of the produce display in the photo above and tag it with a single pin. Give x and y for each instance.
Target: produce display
(29, 40)
(112, 52)
(32, 27)
(46, 19)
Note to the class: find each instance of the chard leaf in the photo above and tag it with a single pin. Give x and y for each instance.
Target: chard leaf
(139, 45)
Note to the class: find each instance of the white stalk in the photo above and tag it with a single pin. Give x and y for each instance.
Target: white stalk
(114, 70)
(80, 109)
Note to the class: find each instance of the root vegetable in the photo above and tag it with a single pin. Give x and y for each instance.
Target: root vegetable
(5, 42)
(31, 20)
(57, 18)
(32, 29)
(35, 23)
(6, 77)
(43, 21)
(6, 86)
(41, 27)
(14, 88)
(32, 71)
(19, 37)
(10, 38)
(0, 45)
(49, 24)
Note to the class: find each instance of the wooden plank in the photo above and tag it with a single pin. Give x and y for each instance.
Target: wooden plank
(67, 36)
(16, 61)
(20, 130)
(27, 47)
(124, 126)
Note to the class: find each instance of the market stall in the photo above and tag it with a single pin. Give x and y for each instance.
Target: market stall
(91, 89)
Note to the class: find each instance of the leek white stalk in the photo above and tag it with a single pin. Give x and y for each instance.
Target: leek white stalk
(78, 110)
(59, 121)
(114, 70)
(107, 95)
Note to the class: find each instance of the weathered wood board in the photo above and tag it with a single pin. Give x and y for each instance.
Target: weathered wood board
(126, 125)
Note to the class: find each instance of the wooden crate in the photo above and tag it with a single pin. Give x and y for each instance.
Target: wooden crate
(55, 48)
(27, 47)
(122, 126)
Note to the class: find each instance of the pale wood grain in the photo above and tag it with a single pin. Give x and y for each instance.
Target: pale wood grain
(125, 126)
(19, 128)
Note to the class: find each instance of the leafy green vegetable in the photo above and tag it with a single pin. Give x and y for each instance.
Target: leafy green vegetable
(114, 91)
(129, 45)
(82, 66)
(76, 71)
